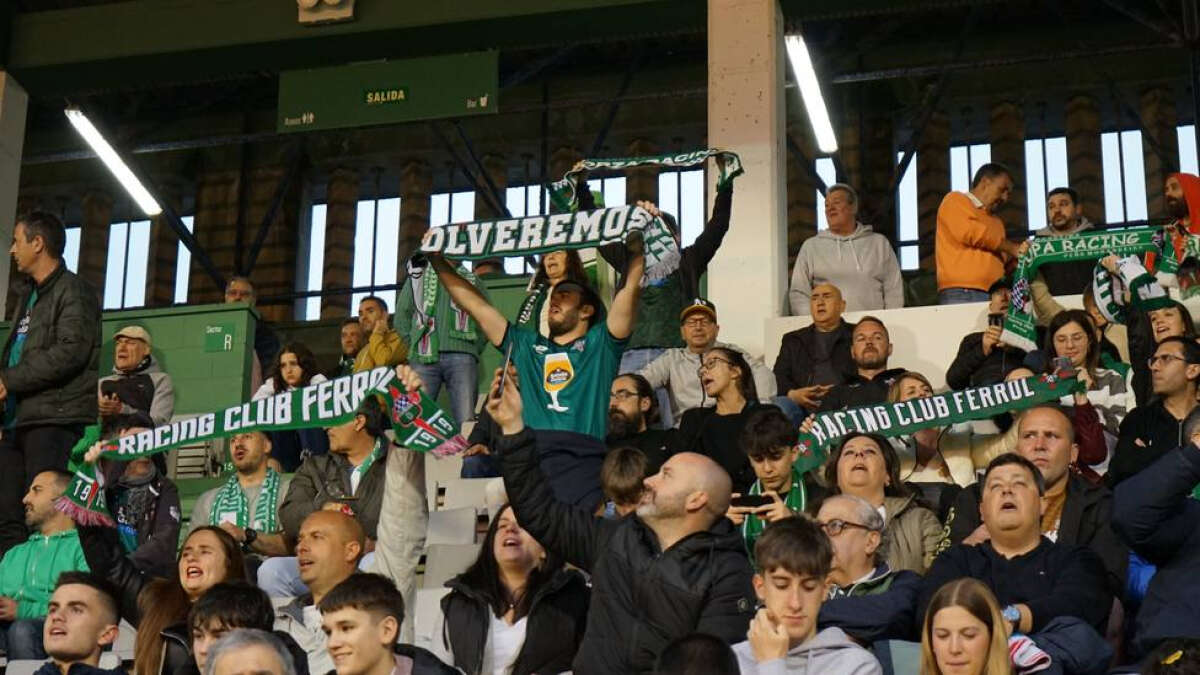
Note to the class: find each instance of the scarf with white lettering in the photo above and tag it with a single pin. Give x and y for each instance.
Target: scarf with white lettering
(1109, 290)
(231, 500)
(417, 420)
(939, 410)
(423, 338)
(1019, 326)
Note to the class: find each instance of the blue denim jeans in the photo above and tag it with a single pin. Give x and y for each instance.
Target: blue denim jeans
(22, 640)
(794, 412)
(459, 371)
(280, 577)
(634, 360)
(960, 296)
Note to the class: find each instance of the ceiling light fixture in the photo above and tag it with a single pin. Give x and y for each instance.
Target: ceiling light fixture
(810, 91)
(113, 161)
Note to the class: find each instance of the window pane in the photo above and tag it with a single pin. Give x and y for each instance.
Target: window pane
(1187, 149)
(910, 257)
(387, 242)
(828, 173)
(316, 261)
(691, 207)
(1114, 204)
(965, 161)
(364, 249)
(439, 209)
(906, 200)
(1035, 184)
(114, 273)
(463, 207)
(71, 251)
(183, 265)
(1135, 175)
(136, 261)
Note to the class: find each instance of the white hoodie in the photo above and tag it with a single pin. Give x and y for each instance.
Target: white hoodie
(830, 652)
(861, 264)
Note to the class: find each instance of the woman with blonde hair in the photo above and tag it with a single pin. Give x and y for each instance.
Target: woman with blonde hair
(963, 632)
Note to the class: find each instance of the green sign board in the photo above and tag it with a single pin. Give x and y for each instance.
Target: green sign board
(388, 92)
(218, 337)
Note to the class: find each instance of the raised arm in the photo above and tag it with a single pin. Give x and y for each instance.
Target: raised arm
(1153, 511)
(465, 295)
(624, 305)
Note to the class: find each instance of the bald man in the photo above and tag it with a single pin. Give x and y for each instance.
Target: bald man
(328, 549)
(675, 567)
(815, 358)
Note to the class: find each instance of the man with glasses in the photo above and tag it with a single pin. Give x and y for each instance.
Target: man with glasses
(632, 408)
(676, 369)
(870, 347)
(1150, 430)
(867, 599)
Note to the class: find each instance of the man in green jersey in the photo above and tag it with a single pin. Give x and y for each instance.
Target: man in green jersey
(564, 379)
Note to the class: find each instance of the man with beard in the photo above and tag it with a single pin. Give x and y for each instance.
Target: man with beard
(1064, 215)
(247, 505)
(384, 346)
(972, 245)
(870, 348)
(632, 407)
(675, 567)
(564, 376)
(352, 339)
(676, 368)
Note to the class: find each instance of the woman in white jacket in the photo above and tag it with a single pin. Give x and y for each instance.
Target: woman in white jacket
(294, 367)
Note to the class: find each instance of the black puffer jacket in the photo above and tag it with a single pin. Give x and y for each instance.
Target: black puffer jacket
(553, 628)
(55, 380)
(645, 597)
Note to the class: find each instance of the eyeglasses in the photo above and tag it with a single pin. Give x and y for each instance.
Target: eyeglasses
(712, 363)
(1164, 359)
(835, 527)
(623, 394)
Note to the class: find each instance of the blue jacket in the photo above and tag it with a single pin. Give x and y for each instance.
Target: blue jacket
(880, 608)
(1153, 512)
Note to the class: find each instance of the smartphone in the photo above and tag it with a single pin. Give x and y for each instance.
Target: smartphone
(751, 501)
(1063, 364)
(995, 319)
(108, 388)
(504, 371)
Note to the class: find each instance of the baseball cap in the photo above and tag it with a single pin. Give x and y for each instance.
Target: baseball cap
(135, 333)
(587, 294)
(699, 305)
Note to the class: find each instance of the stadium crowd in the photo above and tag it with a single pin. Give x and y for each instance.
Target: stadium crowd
(657, 514)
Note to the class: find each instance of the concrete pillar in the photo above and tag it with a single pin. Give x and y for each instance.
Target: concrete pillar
(641, 183)
(497, 169)
(341, 206)
(1007, 131)
(416, 187)
(93, 237)
(163, 254)
(215, 221)
(933, 182)
(1158, 120)
(1084, 168)
(747, 279)
(13, 104)
(274, 271)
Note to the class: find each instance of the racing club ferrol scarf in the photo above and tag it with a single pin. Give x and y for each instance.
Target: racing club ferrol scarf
(417, 420)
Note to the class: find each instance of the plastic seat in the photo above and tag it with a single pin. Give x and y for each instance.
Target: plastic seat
(445, 561)
(451, 526)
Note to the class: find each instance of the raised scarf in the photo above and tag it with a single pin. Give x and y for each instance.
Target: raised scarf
(1132, 279)
(231, 500)
(417, 420)
(424, 334)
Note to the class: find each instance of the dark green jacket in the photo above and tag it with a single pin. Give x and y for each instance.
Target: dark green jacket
(55, 380)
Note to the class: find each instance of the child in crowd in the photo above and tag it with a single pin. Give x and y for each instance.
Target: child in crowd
(621, 477)
(230, 605)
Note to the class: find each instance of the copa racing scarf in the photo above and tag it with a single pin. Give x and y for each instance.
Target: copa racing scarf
(939, 410)
(417, 420)
(1132, 280)
(231, 502)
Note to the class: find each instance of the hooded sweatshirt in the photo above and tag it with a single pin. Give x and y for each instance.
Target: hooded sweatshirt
(829, 652)
(1191, 194)
(861, 264)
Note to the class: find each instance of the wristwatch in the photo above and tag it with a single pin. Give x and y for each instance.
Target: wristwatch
(1012, 615)
(251, 535)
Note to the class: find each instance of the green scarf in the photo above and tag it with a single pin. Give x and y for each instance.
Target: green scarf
(423, 334)
(796, 500)
(417, 420)
(362, 469)
(1110, 290)
(1019, 326)
(528, 313)
(939, 410)
(231, 500)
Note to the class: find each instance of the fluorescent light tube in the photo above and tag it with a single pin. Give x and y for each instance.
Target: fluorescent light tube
(810, 91)
(113, 161)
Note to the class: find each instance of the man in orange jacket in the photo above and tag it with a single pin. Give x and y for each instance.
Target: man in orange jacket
(971, 245)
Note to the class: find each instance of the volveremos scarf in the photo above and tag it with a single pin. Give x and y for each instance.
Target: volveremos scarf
(424, 336)
(231, 500)
(796, 500)
(418, 422)
(1109, 290)
(940, 410)
(1019, 327)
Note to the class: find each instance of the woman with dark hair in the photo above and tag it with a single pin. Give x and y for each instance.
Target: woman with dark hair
(725, 377)
(866, 466)
(1072, 336)
(554, 267)
(963, 632)
(515, 610)
(294, 367)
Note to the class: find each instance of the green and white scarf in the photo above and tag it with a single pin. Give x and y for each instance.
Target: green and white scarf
(1019, 326)
(417, 420)
(939, 410)
(424, 334)
(1109, 290)
(358, 472)
(796, 500)
(231, 499)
